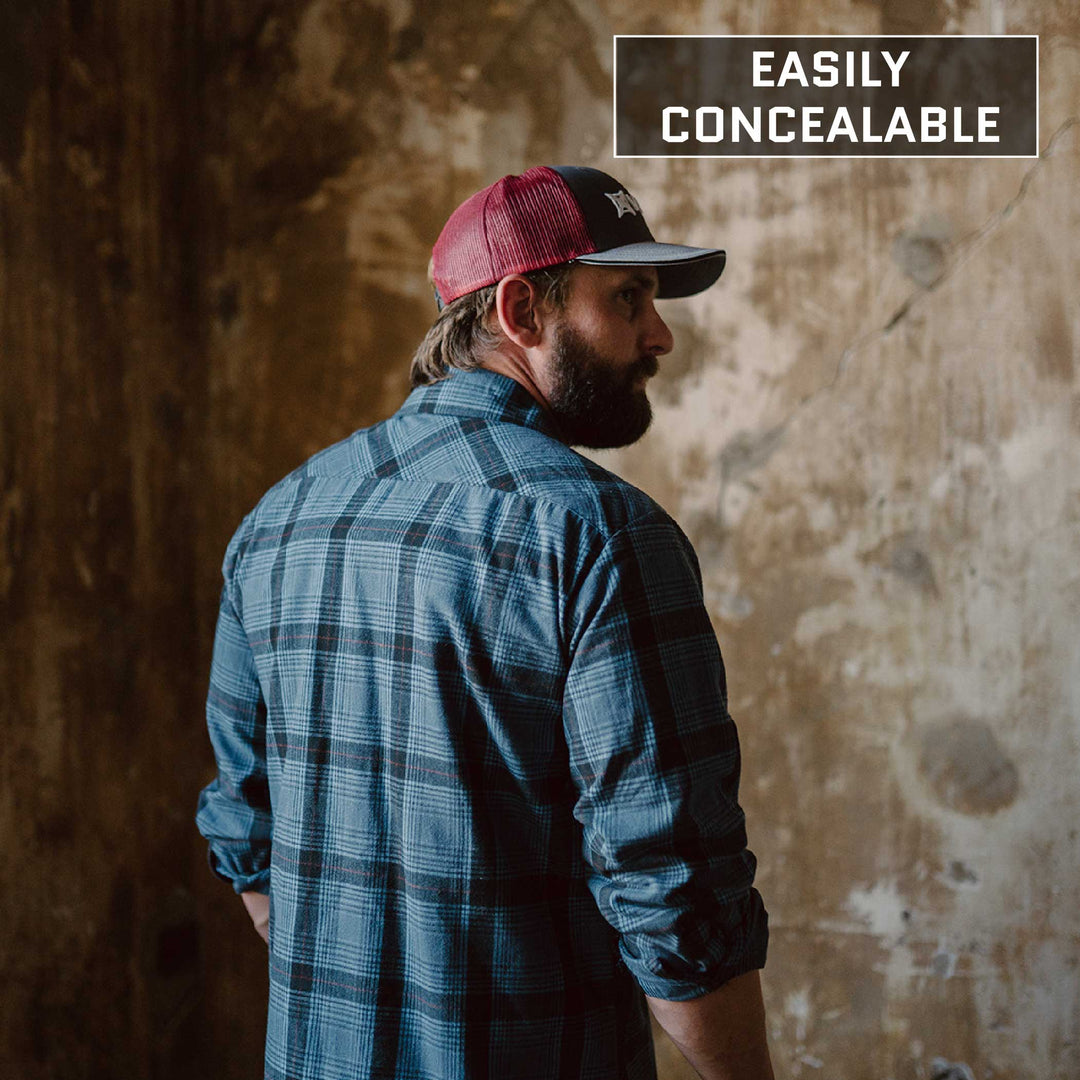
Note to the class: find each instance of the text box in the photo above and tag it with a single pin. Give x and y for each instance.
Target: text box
(826, 96)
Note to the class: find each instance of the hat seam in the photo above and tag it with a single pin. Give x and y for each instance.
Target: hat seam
(580, 209)
(487, 235)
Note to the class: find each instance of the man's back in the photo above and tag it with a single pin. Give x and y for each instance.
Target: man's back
(468, 682)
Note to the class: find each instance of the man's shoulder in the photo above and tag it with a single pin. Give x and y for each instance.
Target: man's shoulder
(280, 500)
(495, 460)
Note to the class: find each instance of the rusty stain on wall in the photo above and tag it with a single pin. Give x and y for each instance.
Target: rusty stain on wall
(962, 761)
(922, 251)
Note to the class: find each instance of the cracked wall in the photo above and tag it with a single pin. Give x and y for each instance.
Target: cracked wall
(878, 462)
(215, 221)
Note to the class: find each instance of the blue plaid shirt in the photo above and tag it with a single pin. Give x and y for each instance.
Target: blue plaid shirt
(471, 732)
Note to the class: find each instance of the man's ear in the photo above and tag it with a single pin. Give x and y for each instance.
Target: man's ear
(517, 307)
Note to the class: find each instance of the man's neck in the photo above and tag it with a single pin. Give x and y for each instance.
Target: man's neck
(517, 367)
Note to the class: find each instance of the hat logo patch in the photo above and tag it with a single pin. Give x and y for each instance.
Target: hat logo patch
(624, 202)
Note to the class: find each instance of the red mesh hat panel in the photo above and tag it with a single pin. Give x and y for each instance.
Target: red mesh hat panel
(520, 223)
(461, 253)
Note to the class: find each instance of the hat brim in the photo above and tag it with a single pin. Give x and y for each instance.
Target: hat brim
(682, 271)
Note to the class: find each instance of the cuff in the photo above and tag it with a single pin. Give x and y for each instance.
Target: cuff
(671, 977)
(241, 879)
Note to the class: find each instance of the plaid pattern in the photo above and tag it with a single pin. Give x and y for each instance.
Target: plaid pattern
(470, 723)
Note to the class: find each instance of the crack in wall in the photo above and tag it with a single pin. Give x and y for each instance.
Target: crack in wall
(965, 248)
(747, 453)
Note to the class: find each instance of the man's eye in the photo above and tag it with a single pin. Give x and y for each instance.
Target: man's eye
(629, 295)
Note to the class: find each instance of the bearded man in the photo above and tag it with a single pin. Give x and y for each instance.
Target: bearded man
(477, 781)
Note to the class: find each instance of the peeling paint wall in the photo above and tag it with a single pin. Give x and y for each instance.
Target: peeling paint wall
(215, 220)
(876, 452)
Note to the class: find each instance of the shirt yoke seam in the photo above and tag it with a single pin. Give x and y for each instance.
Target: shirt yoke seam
(606, 533)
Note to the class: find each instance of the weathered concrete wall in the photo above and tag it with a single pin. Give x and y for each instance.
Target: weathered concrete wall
(215, 220)
(100, 639)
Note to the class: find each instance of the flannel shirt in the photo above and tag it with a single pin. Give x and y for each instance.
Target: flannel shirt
(470, 723)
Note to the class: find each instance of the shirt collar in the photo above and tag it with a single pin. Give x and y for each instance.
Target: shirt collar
(481, 394)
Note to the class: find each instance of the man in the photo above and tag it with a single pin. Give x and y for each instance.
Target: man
(468, 709)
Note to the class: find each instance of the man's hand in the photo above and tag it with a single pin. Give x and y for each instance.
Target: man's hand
(258, 907)
(722, 1034)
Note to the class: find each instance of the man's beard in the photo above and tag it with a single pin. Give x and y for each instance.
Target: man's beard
(595, 401)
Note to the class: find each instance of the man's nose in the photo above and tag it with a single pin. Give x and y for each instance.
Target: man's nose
(659, 339)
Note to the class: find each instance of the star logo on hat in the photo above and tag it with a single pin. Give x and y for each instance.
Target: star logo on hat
(624, 202)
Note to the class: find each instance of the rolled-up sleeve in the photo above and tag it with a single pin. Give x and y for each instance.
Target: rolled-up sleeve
(655, 758)
(234, 809)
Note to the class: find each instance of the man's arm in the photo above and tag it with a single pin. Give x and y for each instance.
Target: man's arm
(655, 758)
(234, 810)
(722, 1033)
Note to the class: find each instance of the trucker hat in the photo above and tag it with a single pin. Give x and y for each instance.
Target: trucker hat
(555, 214)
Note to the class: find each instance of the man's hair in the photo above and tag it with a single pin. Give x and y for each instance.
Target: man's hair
(460, 338)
